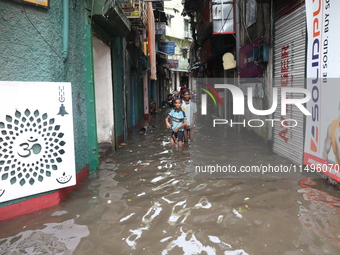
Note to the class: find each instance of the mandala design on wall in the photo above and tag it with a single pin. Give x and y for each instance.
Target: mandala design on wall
(30, 147)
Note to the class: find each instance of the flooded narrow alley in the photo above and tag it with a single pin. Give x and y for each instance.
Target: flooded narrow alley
(150, 198)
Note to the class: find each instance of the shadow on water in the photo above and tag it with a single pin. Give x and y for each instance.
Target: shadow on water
(149, 198)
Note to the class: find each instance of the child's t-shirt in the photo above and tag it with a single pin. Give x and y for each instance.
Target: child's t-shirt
(177, 118)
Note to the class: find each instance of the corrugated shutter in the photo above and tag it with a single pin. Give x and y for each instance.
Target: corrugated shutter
(289, 70)
(283, 8)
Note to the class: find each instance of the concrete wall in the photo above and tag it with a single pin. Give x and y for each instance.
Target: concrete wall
(260, 29)
(31, 50)
(176, 26)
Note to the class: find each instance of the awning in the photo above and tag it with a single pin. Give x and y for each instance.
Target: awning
(179, 70)
(114, 21)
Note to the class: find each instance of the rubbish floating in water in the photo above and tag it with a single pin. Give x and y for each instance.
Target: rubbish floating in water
(121, 144)
(164, 152)
(219, 218)
(238, 215)
(127, 217)
(157, 179)
(137, 163)
(145, 129)
(247, 198)
(59, 213)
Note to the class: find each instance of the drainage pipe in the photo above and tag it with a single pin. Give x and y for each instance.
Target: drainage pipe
(65, 28)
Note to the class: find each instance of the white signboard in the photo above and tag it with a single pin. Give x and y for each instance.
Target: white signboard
(36, 138)
(322, 144)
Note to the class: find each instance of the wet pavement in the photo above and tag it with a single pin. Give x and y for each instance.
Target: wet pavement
(151, 198)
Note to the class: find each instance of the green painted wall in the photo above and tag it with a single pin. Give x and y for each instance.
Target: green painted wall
(143, 64)
(139, 101)
(90, 99)
(134, 95)
(128, 94)
(140, 96)
(117, 75)
(31, 50)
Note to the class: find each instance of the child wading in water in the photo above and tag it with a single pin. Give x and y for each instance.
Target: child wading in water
(178, 123)
(190, 109)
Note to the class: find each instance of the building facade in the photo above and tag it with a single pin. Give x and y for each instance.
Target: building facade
(275, 46)
(96, 49)
(177, 41)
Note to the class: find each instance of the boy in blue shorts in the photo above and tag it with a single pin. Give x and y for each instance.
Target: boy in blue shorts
(178, 123)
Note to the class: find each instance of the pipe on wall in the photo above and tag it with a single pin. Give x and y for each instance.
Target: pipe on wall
(65, 28)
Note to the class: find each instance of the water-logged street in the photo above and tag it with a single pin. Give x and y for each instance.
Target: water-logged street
(149, 198)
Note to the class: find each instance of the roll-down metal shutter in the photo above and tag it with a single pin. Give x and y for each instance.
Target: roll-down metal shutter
(289, 71)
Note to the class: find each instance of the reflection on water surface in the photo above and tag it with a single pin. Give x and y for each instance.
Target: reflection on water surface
(147, 199)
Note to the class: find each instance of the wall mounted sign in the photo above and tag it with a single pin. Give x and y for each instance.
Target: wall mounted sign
(36, 138)
(183, 65)
(228, 61)
(160, 28)
(167, 47)
(249, 66)
(173, 63)
(41, 3)
(322, 133)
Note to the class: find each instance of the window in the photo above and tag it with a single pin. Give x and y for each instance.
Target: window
(186, 29)
(223, 16)
(251, 12)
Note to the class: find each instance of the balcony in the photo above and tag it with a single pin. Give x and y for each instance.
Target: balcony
(126, 4)
(136, 12)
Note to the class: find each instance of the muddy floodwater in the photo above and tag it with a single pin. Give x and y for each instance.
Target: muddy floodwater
(151, 198)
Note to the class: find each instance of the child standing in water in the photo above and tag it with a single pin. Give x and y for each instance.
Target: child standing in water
(190, 109)
(178, 123)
